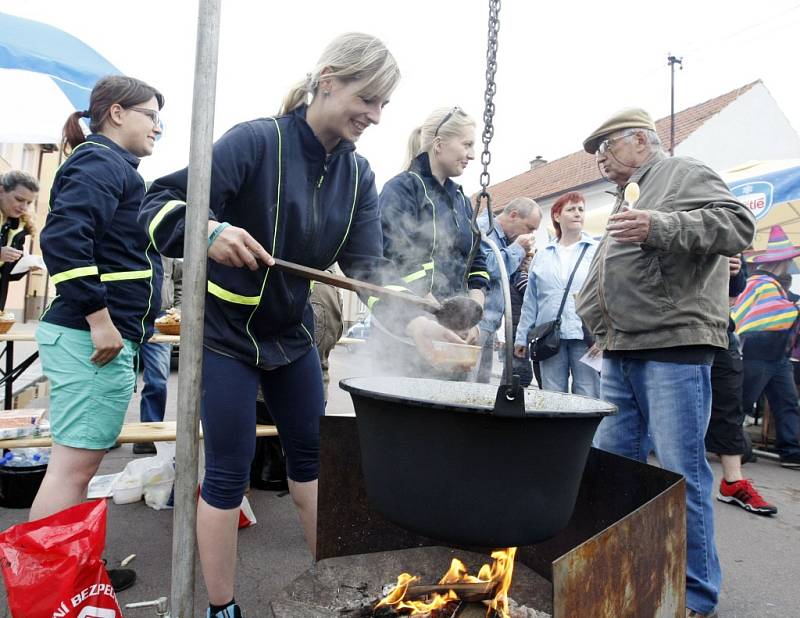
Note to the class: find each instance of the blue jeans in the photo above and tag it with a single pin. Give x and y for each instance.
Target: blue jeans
(155, 358)
(666, 407)
(556, 370)
(776, 380)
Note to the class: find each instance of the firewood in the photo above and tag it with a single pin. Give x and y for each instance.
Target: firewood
(478, 591)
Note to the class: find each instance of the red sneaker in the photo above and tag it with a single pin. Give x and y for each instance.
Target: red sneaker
(743, 494)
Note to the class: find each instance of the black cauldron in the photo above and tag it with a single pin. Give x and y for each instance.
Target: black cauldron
(440, 462)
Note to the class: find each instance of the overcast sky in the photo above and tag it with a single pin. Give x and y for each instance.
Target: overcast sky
(563, 66)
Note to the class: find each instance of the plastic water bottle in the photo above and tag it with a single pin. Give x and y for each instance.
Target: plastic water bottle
(14, 460)
(25, 457)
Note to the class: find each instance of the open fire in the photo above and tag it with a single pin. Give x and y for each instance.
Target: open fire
(490, 587)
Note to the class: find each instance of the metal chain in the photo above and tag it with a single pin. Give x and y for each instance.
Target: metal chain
(488, 133)
(491, 89)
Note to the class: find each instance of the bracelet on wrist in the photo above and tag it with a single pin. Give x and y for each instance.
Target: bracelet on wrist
(217, 231)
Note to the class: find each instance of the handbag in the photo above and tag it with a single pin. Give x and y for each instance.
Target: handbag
(546, 338)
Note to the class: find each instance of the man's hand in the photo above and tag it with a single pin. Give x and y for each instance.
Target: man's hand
(521, 351)
(235, 247)
(526, 241)
(106, 339)
(629, 226)
(9, 254)
(735, 266)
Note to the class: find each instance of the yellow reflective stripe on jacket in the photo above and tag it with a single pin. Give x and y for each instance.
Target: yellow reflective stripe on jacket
(163, 212)
(14, 232)
(480, 273)
(395, 288)
(74, 273)
(419, 274)
(352, 209)
(88, 141)
(433, 218)
(125, 275)
(230, 297)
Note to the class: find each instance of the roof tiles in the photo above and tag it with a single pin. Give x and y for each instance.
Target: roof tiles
(579, 168)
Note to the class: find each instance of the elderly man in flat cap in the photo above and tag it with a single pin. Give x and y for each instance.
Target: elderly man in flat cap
(656, 301)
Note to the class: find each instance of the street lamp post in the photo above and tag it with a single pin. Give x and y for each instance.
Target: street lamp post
(672, 61)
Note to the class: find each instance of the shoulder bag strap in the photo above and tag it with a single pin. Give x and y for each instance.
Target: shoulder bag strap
(569, 283)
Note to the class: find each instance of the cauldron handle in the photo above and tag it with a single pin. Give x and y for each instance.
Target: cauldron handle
(510, 400)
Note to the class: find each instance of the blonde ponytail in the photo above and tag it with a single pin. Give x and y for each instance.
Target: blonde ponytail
(349, 57)
(413, 147)
(297, 95)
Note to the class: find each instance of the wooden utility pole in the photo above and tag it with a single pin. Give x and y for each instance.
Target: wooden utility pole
(195, 249)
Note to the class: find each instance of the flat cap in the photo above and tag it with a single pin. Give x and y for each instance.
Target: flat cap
(630, 118)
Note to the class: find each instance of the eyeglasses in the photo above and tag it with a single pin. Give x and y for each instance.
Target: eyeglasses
(447, 117)
(150, 113)
(603, 147)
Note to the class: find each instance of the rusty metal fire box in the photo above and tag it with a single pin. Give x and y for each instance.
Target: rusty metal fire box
(623, 552)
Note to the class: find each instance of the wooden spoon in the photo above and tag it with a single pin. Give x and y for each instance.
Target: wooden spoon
(458, 313)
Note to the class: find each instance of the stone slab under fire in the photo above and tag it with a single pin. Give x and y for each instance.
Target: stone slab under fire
(338, 587)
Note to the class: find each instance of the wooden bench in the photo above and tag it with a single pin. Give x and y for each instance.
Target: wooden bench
(132, 433)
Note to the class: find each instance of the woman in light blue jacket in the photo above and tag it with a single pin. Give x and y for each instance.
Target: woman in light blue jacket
(547, 280)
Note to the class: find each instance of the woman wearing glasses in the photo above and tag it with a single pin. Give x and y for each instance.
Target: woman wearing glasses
(293, 187)
(426, 217)
(108, 280)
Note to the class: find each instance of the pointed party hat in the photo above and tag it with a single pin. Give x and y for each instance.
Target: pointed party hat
(778, 248)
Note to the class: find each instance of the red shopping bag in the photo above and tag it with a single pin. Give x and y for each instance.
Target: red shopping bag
(52, 566)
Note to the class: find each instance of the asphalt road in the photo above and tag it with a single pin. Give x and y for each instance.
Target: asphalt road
(760, 555)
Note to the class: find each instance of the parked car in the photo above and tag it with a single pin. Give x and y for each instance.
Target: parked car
(359, 330)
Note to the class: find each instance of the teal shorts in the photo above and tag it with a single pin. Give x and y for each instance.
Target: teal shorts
(87, 403)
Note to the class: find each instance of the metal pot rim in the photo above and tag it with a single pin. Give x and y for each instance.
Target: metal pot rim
(474, 397)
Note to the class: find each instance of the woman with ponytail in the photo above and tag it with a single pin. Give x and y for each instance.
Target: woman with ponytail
(108, 281)
(293, 187)
(426, 217)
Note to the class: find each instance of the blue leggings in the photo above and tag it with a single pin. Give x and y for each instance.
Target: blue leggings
(293, 395)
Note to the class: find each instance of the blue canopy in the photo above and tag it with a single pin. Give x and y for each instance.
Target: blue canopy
(771, 190)
(771, 187)
(71, 64)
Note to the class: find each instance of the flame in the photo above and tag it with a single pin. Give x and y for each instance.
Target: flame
(396, 597)
(500, 571)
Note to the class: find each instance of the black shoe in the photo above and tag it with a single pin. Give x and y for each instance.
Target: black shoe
(121, 579)
(791, 461)
(144, 448)
(232, 611)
